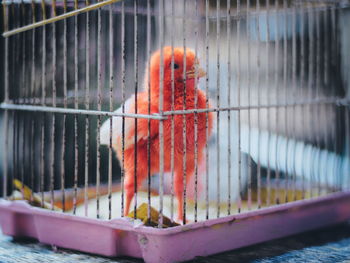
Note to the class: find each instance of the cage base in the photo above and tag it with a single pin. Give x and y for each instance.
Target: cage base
(122, 237)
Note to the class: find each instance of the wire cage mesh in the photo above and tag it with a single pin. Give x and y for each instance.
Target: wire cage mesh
(276, 88)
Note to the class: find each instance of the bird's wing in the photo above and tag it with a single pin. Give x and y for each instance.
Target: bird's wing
(129, 127)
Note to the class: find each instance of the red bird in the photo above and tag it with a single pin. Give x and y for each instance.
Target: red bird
(142, 124)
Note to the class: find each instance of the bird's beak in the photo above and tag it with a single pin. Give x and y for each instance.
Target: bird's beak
(190, 74)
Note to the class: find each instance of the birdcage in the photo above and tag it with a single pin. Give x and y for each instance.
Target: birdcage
(239, 133)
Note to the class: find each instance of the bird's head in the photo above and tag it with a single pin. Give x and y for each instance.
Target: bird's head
(176, 68)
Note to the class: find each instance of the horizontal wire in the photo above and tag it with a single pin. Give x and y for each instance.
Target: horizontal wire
(70, 100)
(158, 116)
(338, 102)
(34, 100)
(77, 111)
(58, 18)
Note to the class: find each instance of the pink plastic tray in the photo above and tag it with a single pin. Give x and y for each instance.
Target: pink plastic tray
(120, 237)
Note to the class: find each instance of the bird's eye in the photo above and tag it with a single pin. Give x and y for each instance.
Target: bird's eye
(176, 66)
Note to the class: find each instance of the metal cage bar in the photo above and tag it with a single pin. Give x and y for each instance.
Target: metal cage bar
(265, 136)
(54, 18)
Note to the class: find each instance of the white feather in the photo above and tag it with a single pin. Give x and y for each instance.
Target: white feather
(117, 124)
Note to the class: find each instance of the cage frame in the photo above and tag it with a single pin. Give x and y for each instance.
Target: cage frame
(121, 237)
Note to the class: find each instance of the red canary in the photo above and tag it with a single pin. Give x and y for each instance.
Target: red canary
(142, 124)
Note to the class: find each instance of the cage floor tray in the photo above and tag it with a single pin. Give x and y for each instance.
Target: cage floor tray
(122, 237)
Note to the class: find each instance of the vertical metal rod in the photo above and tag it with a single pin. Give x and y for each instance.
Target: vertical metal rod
(347, 141)
(32, 94)
(111, 83)
(6, 97)
(276, 64)
(23, 144)
(161, 135)
(327, 108)
(65, 86)
(42, 165)
(76, 106)
(184, 127)
(285, 76)
(87, 106)
(268, 173)
(207, 106)
(52, 158)
(24, 99)
(338, 140)
(172, 153)
(135, 101)
(249, 111)
(6, 63)
(196, 118)
(15, 52)
(26, 87)
(218, 105)
(99, 101)
(17, 133)
(318, 106)
(14, 163)
(6, 133)
(10, 67)
(259, 103)
(43, 98)
(123, 102)
(310, 83)
(149, 112)
(15, 57)
(293, 110)
(326, 43)
(228, 20)
(334, 51)
(19, 40)
(43, 9)
(302, 87)
(239, 150)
